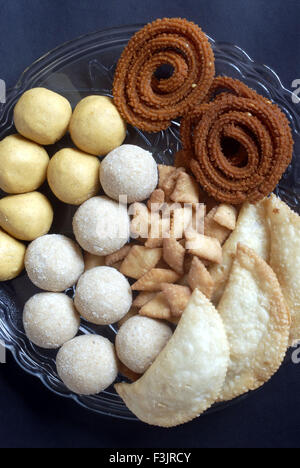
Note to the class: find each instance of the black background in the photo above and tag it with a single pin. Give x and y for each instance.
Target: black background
(30, 415)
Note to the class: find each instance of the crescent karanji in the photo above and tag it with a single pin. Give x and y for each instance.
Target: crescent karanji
(257, 323)
(187, 376)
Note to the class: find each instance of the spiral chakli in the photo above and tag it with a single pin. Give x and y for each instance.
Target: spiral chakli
(150, 103)
(238, 145)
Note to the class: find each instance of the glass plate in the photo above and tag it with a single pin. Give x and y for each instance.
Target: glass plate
(86, 66)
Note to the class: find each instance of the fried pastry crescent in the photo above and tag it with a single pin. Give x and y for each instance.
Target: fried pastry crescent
(285, 257)
(257, 323)
(188, 374)
(252, 230)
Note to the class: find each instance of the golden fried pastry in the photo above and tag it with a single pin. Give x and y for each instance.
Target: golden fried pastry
(285, 257)
(173, 254)
(257, 323)
(139, 226)
(208, 248)
(156, 200)
(177, 297)
(186, 189)
(117, 256)
(154, 278)
(188, 374)
(157, 308)
(252, 230)
(226, 216)
(214, 229)
(142, 298)
(139, 261)
(200, 278)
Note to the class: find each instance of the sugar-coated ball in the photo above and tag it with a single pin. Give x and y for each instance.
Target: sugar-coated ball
(96, 126)
(54, 262)
(129, 170)
(50, 319)
(140, 340)
(23, 165)
(103, 295)
(42, 116)
(101, 226)
(87, 364)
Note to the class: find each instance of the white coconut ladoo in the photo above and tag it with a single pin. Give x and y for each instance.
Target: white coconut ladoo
(101, 226)
(129, 170)
(189, 373)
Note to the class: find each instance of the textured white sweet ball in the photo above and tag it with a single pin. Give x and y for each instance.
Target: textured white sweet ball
(50, 319)
(54, 262)
(129, 170)
(103, 295)
(140, 340)
(87, 364)
(101, 226)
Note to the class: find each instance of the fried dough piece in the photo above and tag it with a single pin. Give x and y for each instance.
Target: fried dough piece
(198, 217)
(180, 220)
(214, 229)
(188, 374)
(252, 229)
(226, 216)
(159, 229)
(257, 323)
(143, 298)
(177, 297)
(164, 173)
(153, 279)
(167, 176)
(173, 254)
(140, 260)
(208, 248)
(285, 257)
(157, 308)
(200, 278)
(156, 200)
(183, 281)
(139, 225)
(186, 189)
(118, 256)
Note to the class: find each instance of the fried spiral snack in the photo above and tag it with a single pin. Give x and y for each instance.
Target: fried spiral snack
(150, 103)
(238, 145)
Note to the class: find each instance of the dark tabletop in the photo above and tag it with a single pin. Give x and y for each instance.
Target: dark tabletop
(30, 415)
